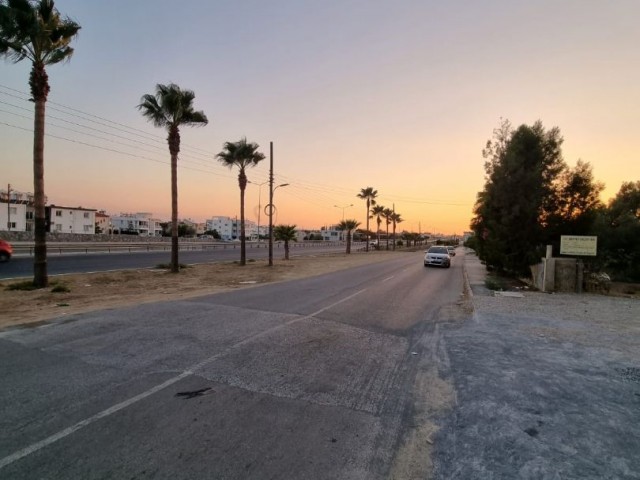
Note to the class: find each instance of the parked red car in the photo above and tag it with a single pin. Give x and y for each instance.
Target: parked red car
(6, 250)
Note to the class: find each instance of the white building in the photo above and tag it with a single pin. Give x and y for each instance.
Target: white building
(229, 228)
(71, 220)
(16, 211)
(103, 222)
(141, 223)
(332, 234)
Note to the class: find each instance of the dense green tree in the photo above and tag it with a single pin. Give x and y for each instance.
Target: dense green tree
(522, 167)
(349, 226)
(286, 234)
(185, 230)
(170, 108)
(618, 231)
(573, 206)
(241, 154)
(35, 30)
(368, 194)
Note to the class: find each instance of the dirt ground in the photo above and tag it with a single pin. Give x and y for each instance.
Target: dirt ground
(88, 292)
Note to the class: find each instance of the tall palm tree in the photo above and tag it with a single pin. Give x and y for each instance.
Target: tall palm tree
(348, 225)
(386, 214)
(241, 154)
(35, 30)
(395, 219)
(285, 233)
(378, 212)
(368, 194)
(170, 108)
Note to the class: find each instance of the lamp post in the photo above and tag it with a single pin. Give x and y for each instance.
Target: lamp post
(343, 208)
(259, 202)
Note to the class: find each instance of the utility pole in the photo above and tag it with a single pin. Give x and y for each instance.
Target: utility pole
(270, 204)
(9, 207)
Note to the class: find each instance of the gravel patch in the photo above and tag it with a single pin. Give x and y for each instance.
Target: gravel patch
(547, 386)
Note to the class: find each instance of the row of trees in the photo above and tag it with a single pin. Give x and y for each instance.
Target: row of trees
(531, 197)
(380, 213)
(35, 30)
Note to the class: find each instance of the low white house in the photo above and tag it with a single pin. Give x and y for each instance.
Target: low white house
(229, 228)
(141, 223)
(71, 220)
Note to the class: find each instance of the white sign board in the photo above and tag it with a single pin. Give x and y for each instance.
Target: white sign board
(578, 245)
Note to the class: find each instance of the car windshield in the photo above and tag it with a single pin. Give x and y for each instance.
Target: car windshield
(438, 250)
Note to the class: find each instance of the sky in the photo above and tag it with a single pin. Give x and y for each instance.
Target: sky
(401, 96)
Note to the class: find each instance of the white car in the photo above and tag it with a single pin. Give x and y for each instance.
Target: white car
(437, 256)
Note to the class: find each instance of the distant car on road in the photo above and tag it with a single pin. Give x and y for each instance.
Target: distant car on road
(452, 250)
(6, 250)
(437, 256)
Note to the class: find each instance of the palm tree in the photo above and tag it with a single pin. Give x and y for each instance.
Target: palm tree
(368, 194)
(170, 108)
(349, 226)
(378, 212)
(241, 154)
(386, 214)
(285, 233)
(395, 219)
(35, 30)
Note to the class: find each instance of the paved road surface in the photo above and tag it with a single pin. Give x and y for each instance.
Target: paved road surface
(314, 379)
(99, 262)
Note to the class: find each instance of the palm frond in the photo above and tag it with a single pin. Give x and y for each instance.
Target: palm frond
(35, 30)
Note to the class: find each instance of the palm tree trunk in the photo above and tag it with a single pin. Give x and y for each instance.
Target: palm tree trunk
(39, 84)
(348, 241)
(394, 236)
(40, 277)
(387, 235)
(175, 266)
(378, 233)
(242, 180)
(286, 249)
(367, 248)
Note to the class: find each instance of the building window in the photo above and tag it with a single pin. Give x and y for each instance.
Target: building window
(87, 228)
(86, 214)
(58, 213)
(13, 210)
(29, 215)
(57, 227)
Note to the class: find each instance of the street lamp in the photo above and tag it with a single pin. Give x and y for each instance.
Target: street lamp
(259, 202)
(343, 208)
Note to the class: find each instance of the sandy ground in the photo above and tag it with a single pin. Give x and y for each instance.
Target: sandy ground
(97, 291)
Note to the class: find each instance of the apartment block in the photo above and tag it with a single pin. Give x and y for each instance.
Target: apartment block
(71, 220)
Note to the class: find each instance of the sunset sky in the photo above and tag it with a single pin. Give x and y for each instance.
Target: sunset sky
(397, 95)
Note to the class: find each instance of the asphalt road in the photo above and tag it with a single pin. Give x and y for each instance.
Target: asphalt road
(321, 378)
(20, 267)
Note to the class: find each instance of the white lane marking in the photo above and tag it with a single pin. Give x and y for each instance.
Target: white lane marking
(189, 371)
(68, 431)
(388, 278)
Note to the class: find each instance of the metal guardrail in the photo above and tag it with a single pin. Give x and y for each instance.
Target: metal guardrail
(26, 248)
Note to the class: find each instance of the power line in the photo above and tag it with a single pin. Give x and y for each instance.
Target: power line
(325, 193)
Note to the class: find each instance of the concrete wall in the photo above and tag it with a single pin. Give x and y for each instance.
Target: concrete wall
(556, 275)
